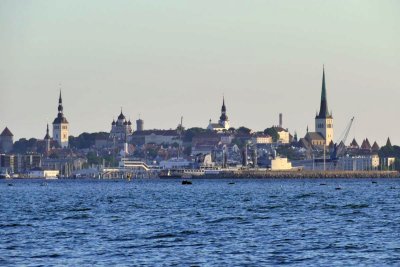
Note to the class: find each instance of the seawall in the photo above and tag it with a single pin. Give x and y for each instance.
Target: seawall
(303, 174)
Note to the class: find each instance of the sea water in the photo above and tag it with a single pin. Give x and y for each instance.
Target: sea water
(243, 222)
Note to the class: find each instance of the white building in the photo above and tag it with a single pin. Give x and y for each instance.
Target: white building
(280, 164)
(40, 173)
(261, 139)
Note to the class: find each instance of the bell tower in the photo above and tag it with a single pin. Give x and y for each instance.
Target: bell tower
(223, 119)
(61, 126)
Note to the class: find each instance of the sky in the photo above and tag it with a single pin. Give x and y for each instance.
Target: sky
(167, 59)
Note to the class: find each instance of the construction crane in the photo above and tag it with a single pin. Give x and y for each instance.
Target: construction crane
(340, 146)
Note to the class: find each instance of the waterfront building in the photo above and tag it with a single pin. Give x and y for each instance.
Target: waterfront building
(223, 123)
(6, 141)
(41, 173)
(61, 126)
(280, 164)
(28, 161)
(121, 129)
(66, 166)
(358, 163)
(8, 162)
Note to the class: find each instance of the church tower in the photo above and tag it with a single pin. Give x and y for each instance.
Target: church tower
(61, 126)
(223, 119)
(47, 141)
(324, 119)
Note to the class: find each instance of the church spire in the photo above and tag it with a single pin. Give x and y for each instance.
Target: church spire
(47, 136)
(60, 98)
(223, 117)
(323, 111)
(60, 106)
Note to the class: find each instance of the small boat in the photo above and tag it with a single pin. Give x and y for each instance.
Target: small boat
(186, 182)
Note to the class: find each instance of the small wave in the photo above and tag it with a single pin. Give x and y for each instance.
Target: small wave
(54, 255)
(10, 225)
(305, 195)
(356, 206)
(77, 217)
(329, 207)
(224, 219)
(80, 209)
(162, 236)
(188, 232)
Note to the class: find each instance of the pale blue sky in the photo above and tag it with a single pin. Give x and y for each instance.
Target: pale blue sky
(164, 59)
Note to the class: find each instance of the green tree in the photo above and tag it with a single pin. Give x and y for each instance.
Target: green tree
(273, 133)
(243, 130)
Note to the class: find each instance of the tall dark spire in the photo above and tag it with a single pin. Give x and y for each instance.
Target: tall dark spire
(323, 111)
(223, 117)
(60, 98)
(60, 106)
(47, 136)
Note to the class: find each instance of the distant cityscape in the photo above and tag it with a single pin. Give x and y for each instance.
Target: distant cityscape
(128, 152)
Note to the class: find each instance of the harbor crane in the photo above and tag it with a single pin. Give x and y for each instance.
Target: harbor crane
(339, 146)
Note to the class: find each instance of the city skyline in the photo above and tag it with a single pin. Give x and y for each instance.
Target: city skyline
(262, 71)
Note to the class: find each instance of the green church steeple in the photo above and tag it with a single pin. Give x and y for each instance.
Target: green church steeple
(323, 111)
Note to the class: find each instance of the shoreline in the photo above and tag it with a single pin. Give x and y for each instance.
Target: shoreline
(303, 174)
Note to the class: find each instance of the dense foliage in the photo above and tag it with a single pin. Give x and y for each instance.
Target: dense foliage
(273, 133)
(86, 140)
(23, 145)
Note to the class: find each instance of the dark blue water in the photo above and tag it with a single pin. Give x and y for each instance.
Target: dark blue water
(209, 223)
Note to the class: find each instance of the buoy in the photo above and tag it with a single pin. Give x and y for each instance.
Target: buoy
(231, 183)
(185, 182)
(338, 188)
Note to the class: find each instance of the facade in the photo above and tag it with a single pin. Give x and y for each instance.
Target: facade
(315, 139)
(223, 123)
(9, 162)
(360, 163)
(65, 166)
(261, 139)
(40, 173)
(61, 126)
(284, 136)
(324, 119)
(28, 161)
(121, 129)
(6, 141)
